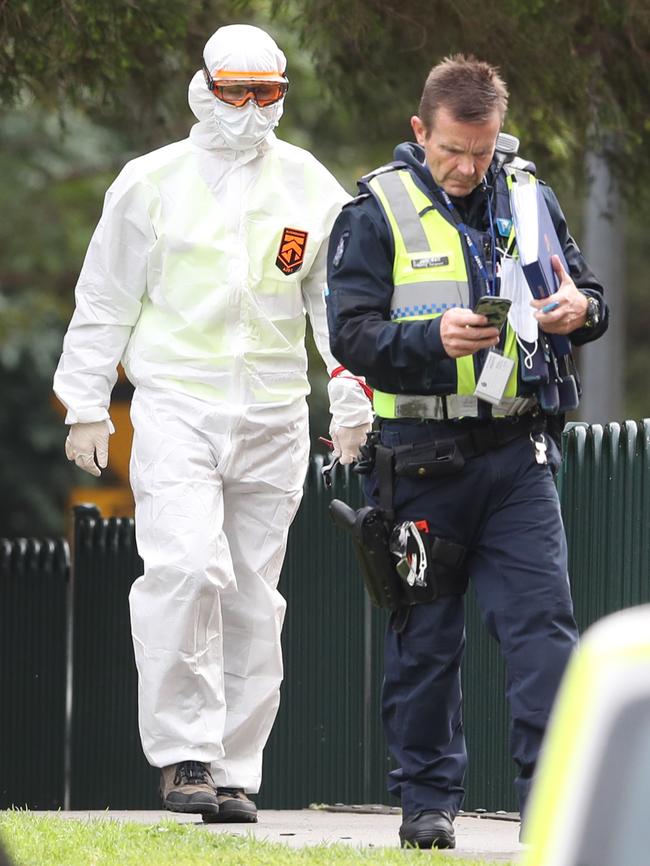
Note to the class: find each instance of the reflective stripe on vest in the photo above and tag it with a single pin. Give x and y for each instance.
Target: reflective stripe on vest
(429, 277)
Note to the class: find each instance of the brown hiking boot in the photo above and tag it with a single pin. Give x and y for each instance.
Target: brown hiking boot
(188, 787)
(234, 808)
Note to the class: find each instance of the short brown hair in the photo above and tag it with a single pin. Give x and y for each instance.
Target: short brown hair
(470, 89)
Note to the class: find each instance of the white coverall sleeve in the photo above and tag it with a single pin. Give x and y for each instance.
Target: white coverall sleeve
(108, 296)
(349, 405)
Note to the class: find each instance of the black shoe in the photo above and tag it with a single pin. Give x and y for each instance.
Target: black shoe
(430, 829)
(234, 808)
(188, 787)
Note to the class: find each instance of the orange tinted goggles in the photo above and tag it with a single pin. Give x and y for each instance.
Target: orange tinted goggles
(238, 93)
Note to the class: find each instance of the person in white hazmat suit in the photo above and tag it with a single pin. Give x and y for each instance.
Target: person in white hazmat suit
(206, 257)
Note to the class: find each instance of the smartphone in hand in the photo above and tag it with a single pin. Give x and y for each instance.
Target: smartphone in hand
(495, 309)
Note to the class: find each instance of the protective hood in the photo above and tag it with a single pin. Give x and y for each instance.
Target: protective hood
(239, 48)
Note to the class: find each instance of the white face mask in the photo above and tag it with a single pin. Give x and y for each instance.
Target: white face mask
(245, 127)
(225, 126)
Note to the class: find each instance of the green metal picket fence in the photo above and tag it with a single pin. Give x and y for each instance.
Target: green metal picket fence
(68, 714)
(33, 658)
(605, 493)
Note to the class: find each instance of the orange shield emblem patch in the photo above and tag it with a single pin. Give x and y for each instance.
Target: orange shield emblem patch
(291, 254)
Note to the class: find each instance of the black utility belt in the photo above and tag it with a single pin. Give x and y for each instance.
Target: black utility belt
(403, 563)
(446, 456)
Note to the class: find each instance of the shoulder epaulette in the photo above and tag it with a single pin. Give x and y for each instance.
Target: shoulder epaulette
(357, 199)
(389, 166)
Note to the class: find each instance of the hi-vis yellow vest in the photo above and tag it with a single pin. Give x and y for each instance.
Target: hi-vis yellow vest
(429, 277)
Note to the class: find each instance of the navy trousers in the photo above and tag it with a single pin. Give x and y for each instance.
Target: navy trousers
(503, 506)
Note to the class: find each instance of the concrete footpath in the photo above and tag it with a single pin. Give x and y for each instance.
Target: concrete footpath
(488, 838)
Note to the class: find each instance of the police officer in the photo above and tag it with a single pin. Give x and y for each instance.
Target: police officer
(428, 235)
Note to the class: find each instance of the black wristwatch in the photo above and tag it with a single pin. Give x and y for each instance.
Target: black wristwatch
(593, 312)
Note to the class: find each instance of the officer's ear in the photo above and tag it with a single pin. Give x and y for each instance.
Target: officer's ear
(419, 129)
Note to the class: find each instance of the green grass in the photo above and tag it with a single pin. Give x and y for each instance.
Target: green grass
(37, 840)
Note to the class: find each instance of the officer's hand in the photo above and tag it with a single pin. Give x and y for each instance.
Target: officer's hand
(347, 441)
(463, 332)
(87, 441)
(571, 311)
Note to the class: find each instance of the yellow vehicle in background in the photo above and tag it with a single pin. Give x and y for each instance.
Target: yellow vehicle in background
(590, 805)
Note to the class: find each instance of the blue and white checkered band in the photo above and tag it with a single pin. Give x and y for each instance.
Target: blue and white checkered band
(420, 310)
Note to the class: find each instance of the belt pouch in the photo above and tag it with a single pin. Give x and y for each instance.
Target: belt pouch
(537, 369)
(548, 396)
(445, 573)
(428, 459)
(568, 394)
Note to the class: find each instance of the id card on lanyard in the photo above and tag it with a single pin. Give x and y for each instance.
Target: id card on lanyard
(494, 377)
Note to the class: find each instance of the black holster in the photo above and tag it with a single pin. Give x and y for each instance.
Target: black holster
(371, 529)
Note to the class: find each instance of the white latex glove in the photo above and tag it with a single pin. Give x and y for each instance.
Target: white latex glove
(87, 441)
(347, 441)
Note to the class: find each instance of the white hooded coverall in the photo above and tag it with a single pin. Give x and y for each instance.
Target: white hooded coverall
(181, 282)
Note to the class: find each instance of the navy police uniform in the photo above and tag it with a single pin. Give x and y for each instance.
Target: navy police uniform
(502, 506)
